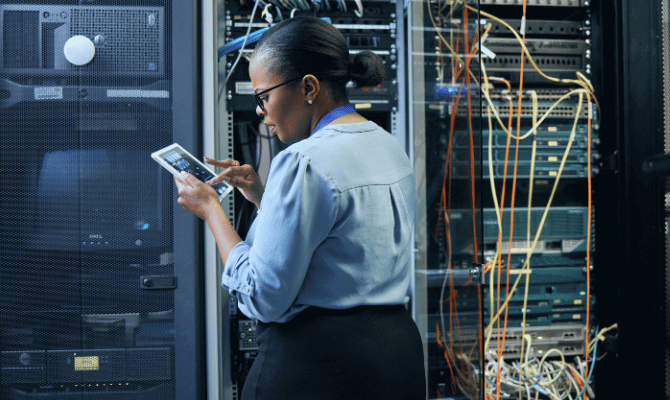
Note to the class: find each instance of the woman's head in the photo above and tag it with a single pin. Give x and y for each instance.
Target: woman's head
(308, 45)
(299, 71)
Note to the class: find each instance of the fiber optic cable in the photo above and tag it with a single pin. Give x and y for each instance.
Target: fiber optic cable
(542, 221)
(588, 232)
(530, 194)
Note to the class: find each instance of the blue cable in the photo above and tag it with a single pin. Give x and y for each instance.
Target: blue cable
(236, 44)
(593, 363)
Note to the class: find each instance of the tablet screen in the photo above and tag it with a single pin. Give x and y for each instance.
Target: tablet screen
(182, 161)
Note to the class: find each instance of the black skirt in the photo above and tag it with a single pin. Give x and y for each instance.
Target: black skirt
(366, 353)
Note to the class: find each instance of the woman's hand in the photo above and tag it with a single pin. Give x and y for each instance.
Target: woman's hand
(242, 177)
(197, 197)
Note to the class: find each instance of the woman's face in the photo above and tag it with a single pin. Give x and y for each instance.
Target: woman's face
(285, 111)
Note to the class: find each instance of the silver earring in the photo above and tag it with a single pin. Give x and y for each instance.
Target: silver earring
(309, 101)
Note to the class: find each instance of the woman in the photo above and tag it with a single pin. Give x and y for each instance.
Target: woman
(325, 268)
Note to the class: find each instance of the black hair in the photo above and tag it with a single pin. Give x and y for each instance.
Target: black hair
(309, 45)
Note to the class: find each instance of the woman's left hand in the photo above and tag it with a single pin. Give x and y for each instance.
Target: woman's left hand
(196, 196)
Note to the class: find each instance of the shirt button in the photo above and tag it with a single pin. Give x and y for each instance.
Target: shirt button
(247, 290)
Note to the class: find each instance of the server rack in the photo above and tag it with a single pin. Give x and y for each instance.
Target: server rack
(505, 161)
(100, 270)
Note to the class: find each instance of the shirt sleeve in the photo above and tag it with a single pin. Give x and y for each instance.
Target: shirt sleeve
(298, 211)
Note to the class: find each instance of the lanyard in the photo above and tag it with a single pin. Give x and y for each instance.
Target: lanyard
(333, 115)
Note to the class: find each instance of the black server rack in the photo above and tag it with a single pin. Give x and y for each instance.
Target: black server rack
(100, 270)
(508, 152)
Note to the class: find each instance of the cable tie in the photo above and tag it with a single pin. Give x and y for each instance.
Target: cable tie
(523, 25)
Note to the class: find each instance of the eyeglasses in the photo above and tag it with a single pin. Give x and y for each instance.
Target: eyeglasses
(258, 95)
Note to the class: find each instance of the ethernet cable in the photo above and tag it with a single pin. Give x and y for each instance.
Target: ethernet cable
(359, 12)
(246, 38)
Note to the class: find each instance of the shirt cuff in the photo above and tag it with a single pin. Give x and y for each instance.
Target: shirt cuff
(231, 278)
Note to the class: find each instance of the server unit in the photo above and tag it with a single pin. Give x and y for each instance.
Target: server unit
(93, 252)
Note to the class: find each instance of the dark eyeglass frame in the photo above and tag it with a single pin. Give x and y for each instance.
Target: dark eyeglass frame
(258, 95)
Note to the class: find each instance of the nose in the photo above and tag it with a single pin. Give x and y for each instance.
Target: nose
(259, 112)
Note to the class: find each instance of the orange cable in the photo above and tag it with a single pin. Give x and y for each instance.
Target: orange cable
(578, 380)
(470, 130)
(443, 199)
(588, 234)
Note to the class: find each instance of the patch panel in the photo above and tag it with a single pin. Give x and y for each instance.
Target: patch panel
(548, 138)
(564, 230)
(550, 260)
(538, 27)
(500, 45)
(547, 3)
(565, 110)
(470, 319)
(524, 171)
(551, 289)
(544, 94)
(569, 339)
(558, 66)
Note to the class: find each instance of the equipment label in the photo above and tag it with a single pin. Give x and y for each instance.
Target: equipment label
(49, 93)
(137, 93)
(244, 88)
(89, 363)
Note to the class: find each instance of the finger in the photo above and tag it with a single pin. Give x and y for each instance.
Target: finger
(223, 176)
(190, 179)
(227, 163)
(180, 184)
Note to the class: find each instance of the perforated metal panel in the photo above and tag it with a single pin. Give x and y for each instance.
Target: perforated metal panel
(87, 215)
(127, 40)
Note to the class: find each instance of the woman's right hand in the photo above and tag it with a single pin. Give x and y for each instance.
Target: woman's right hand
(242, 177)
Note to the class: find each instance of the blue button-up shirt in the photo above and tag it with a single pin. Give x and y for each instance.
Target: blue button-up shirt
(334, 228)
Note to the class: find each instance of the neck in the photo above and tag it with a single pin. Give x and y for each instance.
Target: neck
(324, 108)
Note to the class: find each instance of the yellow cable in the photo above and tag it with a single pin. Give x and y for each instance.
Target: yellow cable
(544, 116)
(582, 81)
(497, 209)
(601, 336)
(545, 357)
(533, 95)
(526, 265)
(530, 194)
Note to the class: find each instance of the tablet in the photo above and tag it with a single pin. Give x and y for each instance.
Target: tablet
(176, 159)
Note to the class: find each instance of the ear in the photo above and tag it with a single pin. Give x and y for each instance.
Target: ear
(312, 88)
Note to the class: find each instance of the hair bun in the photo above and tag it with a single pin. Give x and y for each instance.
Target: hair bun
(367, 69)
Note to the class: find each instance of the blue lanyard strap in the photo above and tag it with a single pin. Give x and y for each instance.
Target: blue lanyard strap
(333, 115)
